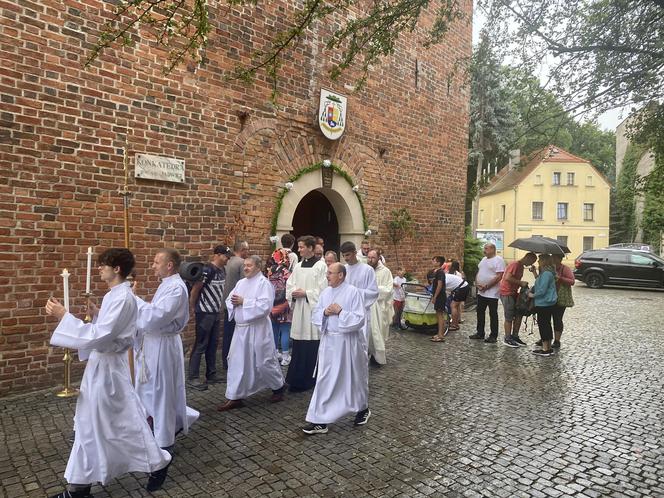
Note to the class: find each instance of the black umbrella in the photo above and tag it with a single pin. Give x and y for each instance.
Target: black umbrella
(563, 247)
(541, 245)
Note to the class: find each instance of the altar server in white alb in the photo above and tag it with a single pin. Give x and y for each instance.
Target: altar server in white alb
(363, 278)
(302, 290)
(342, 381)
(252, 359)
(112, 433)
(382, 311)
(160, 379)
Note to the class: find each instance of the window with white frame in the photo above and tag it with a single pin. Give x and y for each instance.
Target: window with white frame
(588, 243)
(538, 210)
(562, 239)
(589, 181)
(562, 211)
(481, 220)
(556, 178)
(538, 179)
(570, 178)
(502, 212)
(588, 211)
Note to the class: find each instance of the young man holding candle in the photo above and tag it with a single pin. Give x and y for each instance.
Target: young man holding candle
(112, 434)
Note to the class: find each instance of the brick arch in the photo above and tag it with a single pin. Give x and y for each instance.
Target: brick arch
(276, 153)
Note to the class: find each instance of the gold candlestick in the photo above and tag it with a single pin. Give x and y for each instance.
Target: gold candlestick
(67, 390)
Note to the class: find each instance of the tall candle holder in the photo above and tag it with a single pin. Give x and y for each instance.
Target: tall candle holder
(67, 390)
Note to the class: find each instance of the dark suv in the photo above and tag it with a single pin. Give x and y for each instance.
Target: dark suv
(619, 267)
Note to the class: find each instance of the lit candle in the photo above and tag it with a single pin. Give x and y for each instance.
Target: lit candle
(88, 275)
(65, 283)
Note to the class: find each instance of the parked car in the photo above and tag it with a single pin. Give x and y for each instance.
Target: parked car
(619, 266)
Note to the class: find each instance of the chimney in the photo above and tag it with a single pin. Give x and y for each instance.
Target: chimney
(515, 159)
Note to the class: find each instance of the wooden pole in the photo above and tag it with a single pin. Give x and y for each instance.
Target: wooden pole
(125, 198)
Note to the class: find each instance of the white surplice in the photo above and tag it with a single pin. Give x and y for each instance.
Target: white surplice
(363, 278)
(112, 433)
(342, 380)
(252, 359)
(159, 357)
(382, 313)
(313, 280)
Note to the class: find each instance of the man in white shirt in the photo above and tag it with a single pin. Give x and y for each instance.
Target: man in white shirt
(488, 278)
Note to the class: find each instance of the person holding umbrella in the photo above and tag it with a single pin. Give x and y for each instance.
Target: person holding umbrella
(545, 297)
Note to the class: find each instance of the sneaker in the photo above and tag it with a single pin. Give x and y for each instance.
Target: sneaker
(491, 340)
(157, 478)
(315, 429)
(285, 360)
(81, 493)
(516, 339)
(556, 344)
(279, 356)
(197, 384)
(538, 343)
(541, 352)
(362, 417)
(476, 336)
(510, 343)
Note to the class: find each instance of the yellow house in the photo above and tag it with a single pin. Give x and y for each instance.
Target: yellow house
(556, 194)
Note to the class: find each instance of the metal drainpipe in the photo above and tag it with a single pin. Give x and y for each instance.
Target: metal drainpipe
(514, 249)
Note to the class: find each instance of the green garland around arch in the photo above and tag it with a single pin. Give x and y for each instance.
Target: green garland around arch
(298, 175)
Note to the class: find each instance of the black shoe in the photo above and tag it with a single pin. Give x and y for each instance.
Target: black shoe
(315, 429)
(214, 380)
(510, 342)
(538, 343)
(541, 352)
(362, 417)
(476, 336)
(373, 362)
(72, 437)
(556, 344)
(157, 478)
(197, 384)
(490, 340)
(516, 339)
(82, 493)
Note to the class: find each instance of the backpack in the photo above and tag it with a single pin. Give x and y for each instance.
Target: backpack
(525, 306)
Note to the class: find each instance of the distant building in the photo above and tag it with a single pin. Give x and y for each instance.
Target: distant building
(645, 165)
(555, 194)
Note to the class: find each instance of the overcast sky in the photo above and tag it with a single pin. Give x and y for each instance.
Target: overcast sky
(607, 121)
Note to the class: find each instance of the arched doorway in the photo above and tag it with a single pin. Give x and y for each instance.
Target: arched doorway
(308, 201)
(315, 216)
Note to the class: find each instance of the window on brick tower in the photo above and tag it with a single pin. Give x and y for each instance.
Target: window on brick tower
(562, 211)
(538, 210)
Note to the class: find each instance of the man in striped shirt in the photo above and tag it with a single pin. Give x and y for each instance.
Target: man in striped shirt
(207, 296)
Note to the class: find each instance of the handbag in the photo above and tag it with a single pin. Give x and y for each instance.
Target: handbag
(565, 296)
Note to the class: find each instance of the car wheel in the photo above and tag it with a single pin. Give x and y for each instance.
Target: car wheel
(594, 280)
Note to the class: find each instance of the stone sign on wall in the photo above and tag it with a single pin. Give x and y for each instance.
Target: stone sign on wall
(166, 169)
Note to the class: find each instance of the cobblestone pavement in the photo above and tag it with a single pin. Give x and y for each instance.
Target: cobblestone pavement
(452, 419)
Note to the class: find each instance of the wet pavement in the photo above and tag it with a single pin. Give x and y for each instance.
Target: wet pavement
(459, 418)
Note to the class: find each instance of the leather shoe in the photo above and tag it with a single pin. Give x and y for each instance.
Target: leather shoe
(231, 404)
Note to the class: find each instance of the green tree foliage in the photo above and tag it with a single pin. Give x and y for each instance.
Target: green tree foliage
(472, 255)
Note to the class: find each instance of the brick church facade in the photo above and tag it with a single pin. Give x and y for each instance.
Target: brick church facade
(63, 129)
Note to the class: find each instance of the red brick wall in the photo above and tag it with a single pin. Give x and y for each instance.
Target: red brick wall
(62, 129)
